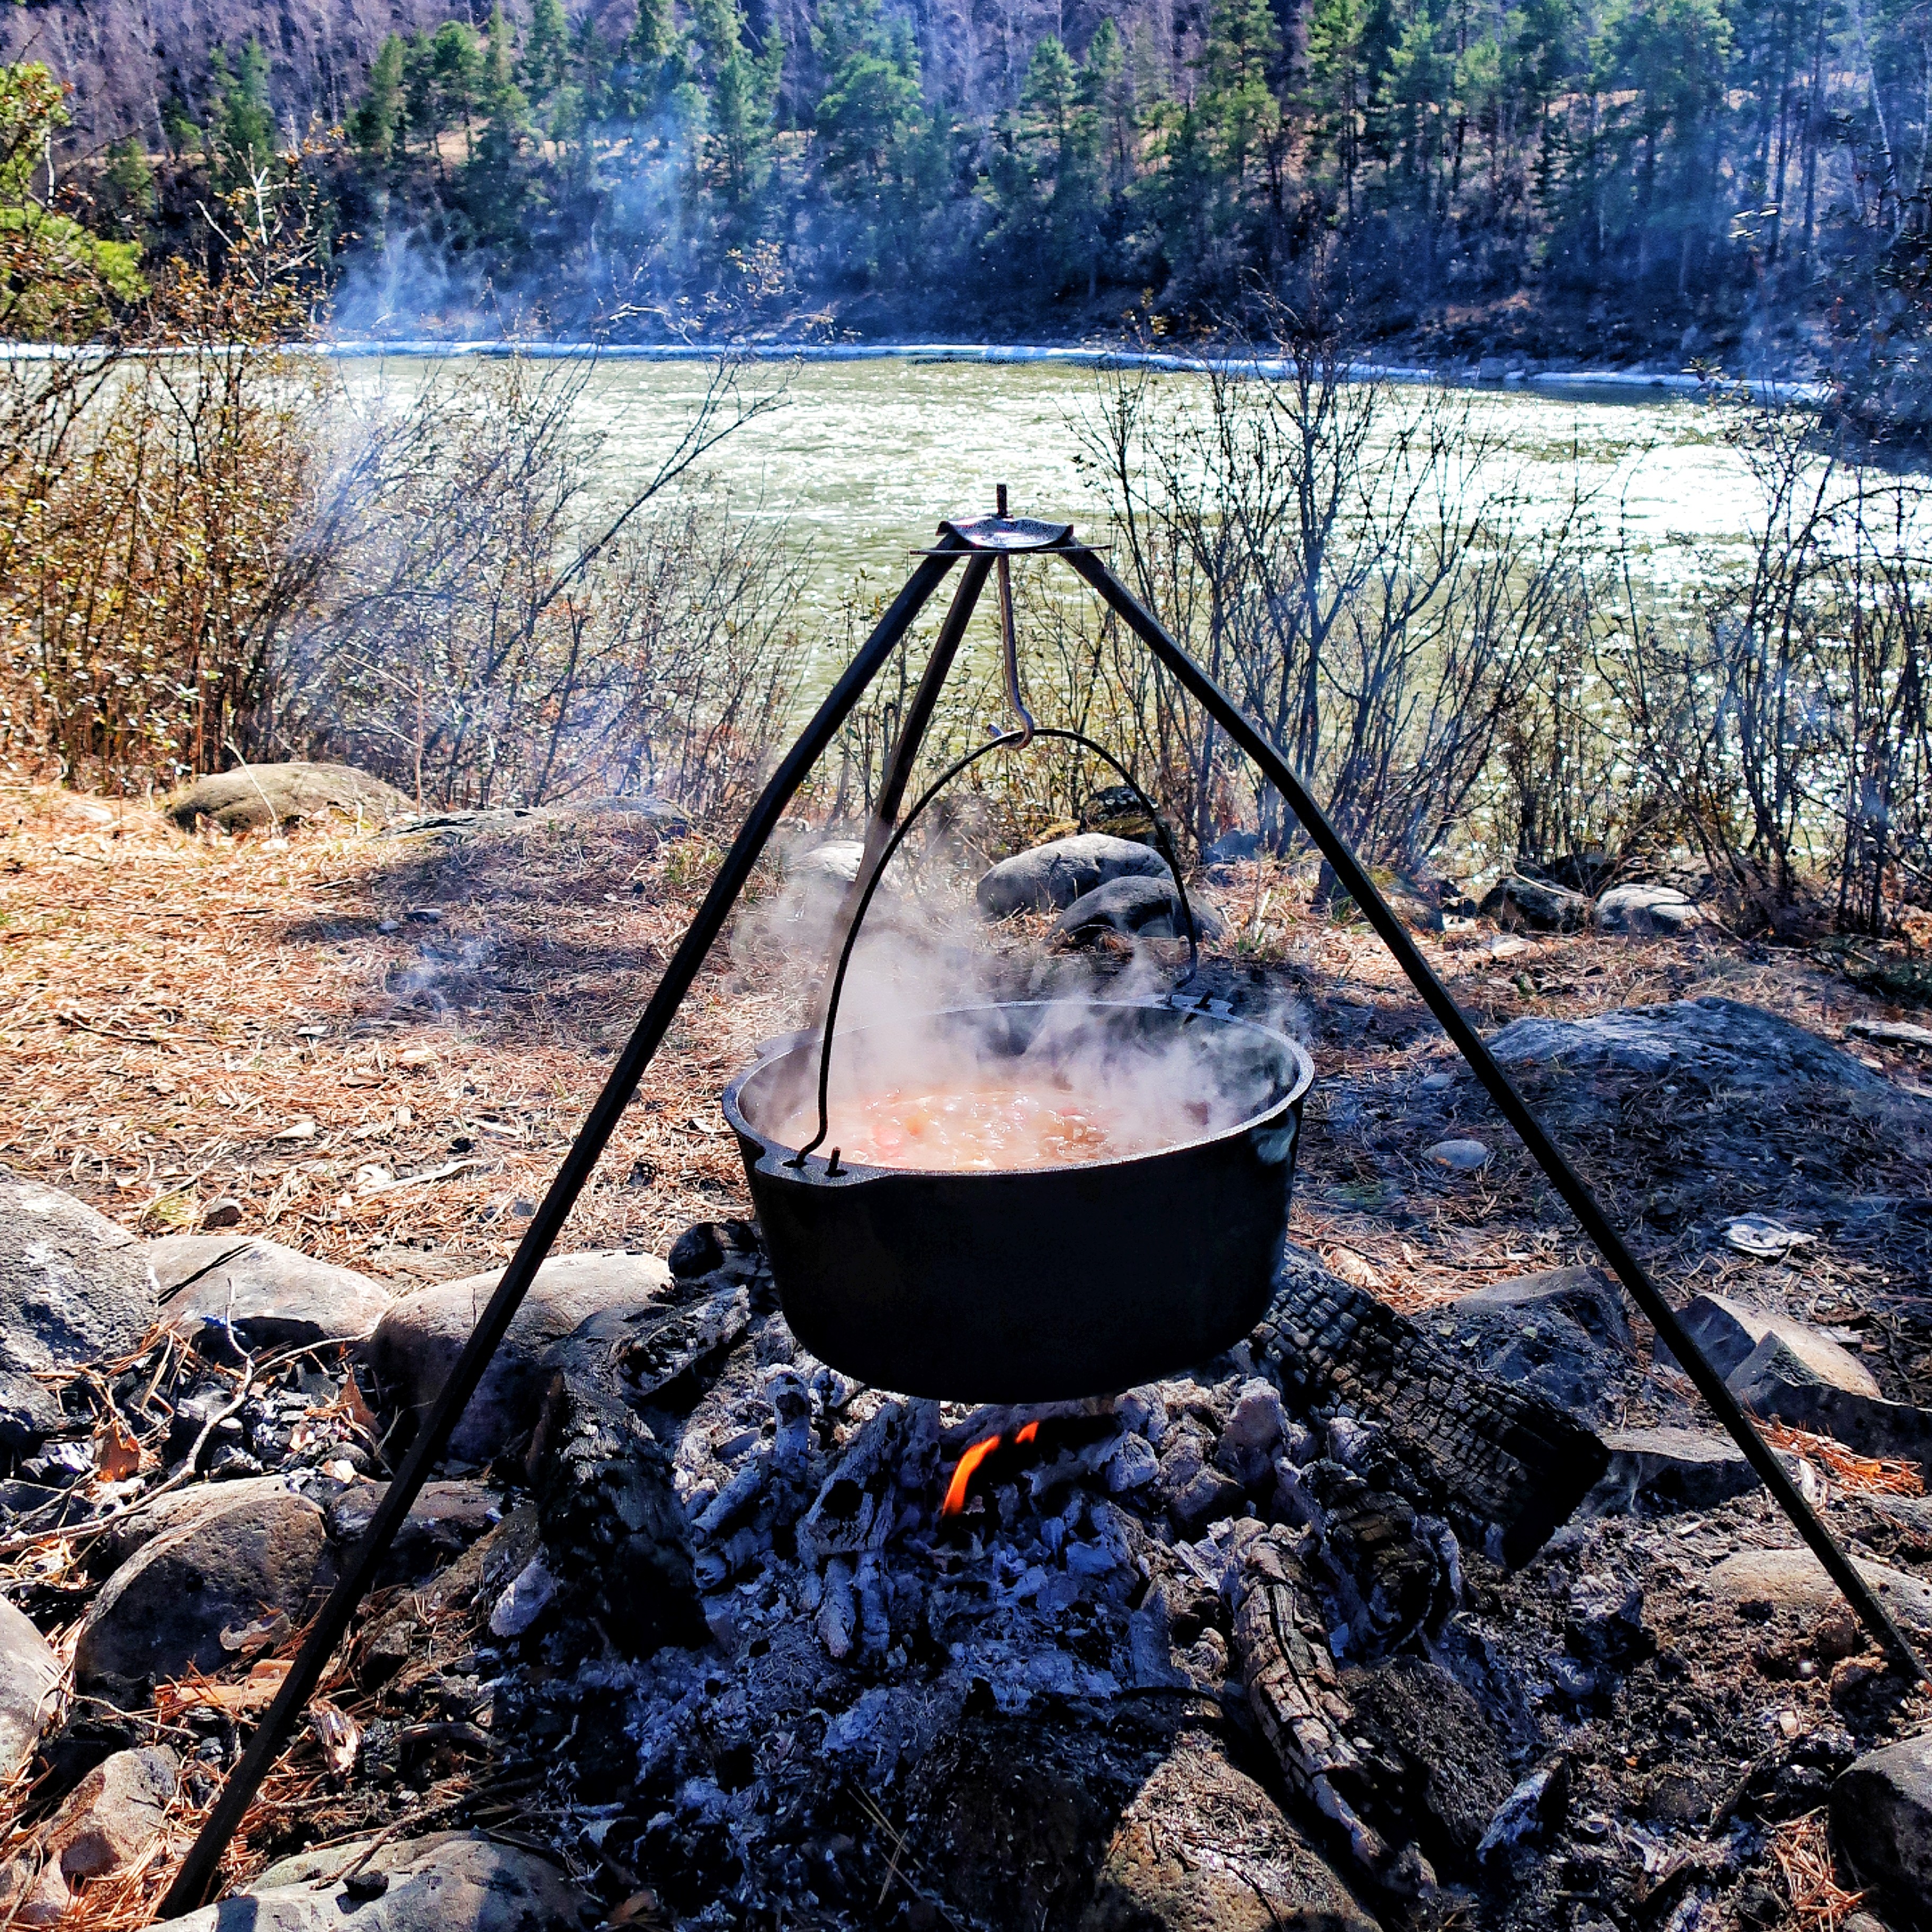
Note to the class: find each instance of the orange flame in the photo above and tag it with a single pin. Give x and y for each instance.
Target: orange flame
(955, 1490)
(955, 1503)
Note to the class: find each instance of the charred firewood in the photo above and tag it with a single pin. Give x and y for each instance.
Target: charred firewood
(888, 1473)
(613, 1526)
(1510, 1464)
(1281, 1638)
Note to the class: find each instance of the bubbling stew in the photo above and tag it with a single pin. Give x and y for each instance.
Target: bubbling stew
(966, 1128)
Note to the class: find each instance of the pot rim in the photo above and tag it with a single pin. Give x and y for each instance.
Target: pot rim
(773, 1051)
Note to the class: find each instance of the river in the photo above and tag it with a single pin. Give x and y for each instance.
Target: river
(861, 459)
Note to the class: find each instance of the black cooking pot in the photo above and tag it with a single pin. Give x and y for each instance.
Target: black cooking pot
(1034, 1284)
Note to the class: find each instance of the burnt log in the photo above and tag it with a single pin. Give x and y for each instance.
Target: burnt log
(1295, 1692)
(1510, 1463)
(614, 1531)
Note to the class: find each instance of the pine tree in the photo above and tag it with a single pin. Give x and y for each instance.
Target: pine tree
(652, 64)
(127, 189)
(244, 125)
(546, 51)
(377, 118)
(742, 93)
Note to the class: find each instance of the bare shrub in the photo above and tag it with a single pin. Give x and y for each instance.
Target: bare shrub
(1328, 551)
(1782, 716)
(496, 635)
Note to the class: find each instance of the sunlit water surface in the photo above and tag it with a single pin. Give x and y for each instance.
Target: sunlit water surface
(860, 460)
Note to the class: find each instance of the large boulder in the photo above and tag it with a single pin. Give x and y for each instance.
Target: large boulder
(441, 1883)
(266, 1295)
(1516, 901)
(1727, 1331)
(1201, 1847)
(1882, 1814)
(1054, 875)
(1711, 1043)
(30, 1688)
(417, 1341)
(165, 1610)
(74, 1288)
(1145, 908)
(286, 794)
(1644, 911)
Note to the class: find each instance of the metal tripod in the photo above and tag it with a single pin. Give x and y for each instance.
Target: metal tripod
(983, 546)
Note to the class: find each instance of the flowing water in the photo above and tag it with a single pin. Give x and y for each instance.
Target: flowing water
(861, 459)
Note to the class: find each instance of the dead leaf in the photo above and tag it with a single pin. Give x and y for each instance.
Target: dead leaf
(360, 1413)
(117, 1456)
(338, 1734)
(251, 1639)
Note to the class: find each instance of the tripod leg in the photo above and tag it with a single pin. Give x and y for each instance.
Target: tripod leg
(1357, 884)
(199, 1871)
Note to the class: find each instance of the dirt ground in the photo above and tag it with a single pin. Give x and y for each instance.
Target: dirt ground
(378, 1047)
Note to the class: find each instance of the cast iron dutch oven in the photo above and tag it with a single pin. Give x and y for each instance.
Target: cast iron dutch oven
(1034, 1284)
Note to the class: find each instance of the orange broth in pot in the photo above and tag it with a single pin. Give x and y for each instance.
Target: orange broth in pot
(968, 1129)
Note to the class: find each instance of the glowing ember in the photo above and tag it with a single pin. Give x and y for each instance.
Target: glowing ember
(1027, 1432)
(970, 1128)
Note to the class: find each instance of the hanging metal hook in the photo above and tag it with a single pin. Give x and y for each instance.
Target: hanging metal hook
(1009, 637)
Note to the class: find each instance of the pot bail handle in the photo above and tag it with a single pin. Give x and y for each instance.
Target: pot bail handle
(1006, 741)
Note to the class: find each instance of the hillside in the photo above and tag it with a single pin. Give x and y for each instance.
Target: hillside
(124, 59)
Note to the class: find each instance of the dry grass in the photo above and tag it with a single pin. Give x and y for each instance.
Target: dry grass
(190, 1018)
(1803, 1850)
(1854, 1474)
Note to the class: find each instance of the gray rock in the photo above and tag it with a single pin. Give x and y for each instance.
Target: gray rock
(1515, 901)
(177, 1510)
(1055, 874)
(1793, 1583)
(28, 1413)
(1668, 1470)
(32, 1892)
(418, 1340)
(1646, 910)
(1727, 1331)
(30, 1688)
(1712, 1041)
(838, 859)
(1881, 1816)
(74, 1287)
(165, 1608)
(1562, 1334)
(1149, 908)
(1587, 1296)
(1459, 1157)
(286, 794)
(443, 1883)
(114, 1813)
(1201, 1847)
(1775, 1383)
(444, 1519)
(271, 1296)
(1891, 1032)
